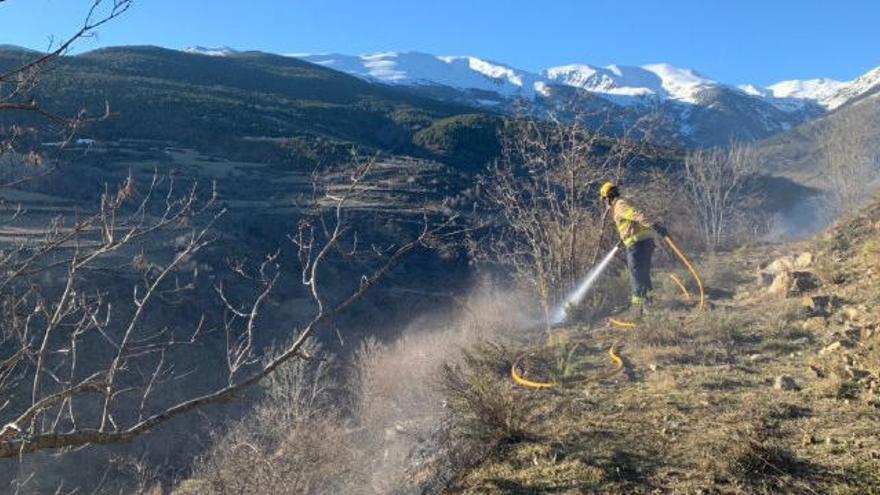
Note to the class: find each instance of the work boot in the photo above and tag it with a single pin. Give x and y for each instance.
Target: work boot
(637, 307)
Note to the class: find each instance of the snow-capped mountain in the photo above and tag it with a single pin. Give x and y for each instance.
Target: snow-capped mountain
(662, 81)
(696, 109)
(422, 69)
(828, 93)
(821, 91)
(220, 51)
(620, 84)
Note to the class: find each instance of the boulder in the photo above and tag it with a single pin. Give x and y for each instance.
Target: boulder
(816, 324)
(785, 382)
(803, 260)
(820, 305)
(794, 283)
(831, 348)
(851, 312)
(789, 275)
(802, 282)
(780, 284)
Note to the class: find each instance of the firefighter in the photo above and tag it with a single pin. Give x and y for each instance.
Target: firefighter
(637, 235)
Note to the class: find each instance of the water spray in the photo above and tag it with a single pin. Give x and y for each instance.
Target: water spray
(528, 373)
(577, 294)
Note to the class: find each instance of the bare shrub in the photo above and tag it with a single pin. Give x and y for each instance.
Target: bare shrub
(542, 200)
(385, 430)
(295, 441)
(487, 410)
(663, 194)
(716, 181)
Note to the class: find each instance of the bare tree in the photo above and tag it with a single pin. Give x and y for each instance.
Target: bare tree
(75, 369)
(543, 195)
(851, 163)
(716, 181)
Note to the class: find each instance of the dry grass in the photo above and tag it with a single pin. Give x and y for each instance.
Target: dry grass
(698, 412)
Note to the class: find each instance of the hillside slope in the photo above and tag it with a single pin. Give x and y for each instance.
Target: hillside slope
(774, 389)
(799, 152)
(205, 101)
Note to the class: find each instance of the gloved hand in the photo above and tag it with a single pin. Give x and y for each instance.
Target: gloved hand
(661, 230)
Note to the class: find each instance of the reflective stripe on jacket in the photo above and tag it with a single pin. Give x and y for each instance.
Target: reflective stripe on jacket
(632, 225)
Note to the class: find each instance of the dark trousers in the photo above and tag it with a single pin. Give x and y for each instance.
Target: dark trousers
(638, 259)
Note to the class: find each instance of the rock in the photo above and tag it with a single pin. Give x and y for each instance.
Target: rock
(768, 273)
(793, 283)
(802, 282)
(855, 373)
(850, 312)
(803, 260)
(830, 348)
(817, 305)
(808, 438)
(815, 324)
(785, 264)
(780, 284)
(785, 382)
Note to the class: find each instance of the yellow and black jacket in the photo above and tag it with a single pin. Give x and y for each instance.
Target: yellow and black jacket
(632, 225)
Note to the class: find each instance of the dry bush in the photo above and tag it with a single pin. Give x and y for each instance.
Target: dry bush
(662, 195)
(383, 431)
(541, 200)
(487, 410)
(610, 293)
(400, 408)
(295, 441)
(716, 181)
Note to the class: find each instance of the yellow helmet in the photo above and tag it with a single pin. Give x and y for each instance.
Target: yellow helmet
(606, 189)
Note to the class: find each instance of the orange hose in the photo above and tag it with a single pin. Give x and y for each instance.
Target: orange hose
(691, 269)
(621, 324)
(525, 382)
(684, 290)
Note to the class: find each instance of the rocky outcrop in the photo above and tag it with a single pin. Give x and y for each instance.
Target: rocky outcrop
(789, 276)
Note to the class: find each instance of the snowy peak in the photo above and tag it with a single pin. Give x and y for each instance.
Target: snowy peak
(222, 51)
(680, 84)
(857, 88)
(414, 68)
(620, 84)
(660, 80)
(822, 91)
(829, 93)
(471, 73)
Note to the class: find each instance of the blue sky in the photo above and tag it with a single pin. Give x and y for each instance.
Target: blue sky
(734, 41)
